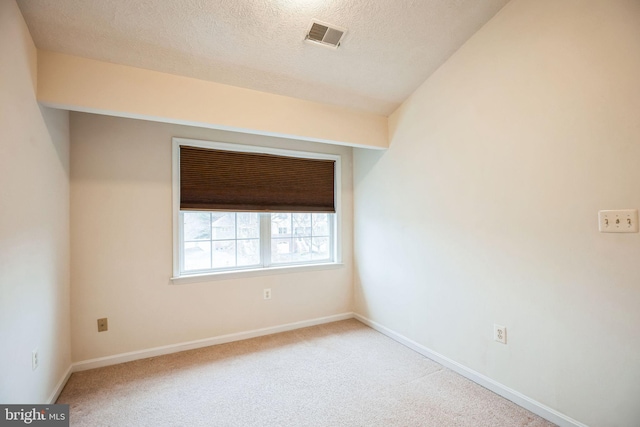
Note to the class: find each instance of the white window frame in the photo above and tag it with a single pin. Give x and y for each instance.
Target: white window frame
(265, 227)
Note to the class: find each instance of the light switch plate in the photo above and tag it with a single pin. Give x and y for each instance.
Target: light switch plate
(618, 221)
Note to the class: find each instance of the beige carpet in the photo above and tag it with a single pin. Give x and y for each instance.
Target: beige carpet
(338, 374)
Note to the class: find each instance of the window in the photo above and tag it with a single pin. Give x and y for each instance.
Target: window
(213, 241)
(219, 240)
(307, 237)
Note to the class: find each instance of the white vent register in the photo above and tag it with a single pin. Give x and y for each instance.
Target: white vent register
(325, 34)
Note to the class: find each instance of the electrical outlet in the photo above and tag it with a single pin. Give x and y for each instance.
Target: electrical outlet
(500, 333)
(103, 325)
(267, 293)
(34, 359)
(620, 221)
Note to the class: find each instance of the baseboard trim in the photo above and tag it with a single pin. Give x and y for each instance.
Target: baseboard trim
(63, 381)
(518, 398)
(190, 345)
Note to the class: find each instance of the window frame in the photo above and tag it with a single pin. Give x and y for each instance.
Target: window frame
(336, 238)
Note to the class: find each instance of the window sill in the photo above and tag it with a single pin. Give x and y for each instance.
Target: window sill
(238, 274)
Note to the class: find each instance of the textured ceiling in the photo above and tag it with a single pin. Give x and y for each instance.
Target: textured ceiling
(391, 46)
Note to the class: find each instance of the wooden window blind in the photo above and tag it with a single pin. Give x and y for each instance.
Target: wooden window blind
(236, 181)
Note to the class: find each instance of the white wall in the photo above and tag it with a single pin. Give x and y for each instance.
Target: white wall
(121, 244)
(484, 208)
(34, 224)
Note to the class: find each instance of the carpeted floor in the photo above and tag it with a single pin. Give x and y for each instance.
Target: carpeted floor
(338, 374)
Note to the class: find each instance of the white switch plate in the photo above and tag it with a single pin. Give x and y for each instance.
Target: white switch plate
(620, 221)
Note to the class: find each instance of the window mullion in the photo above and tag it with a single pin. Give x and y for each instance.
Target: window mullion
(235, 230)
(291, 239)
(311, 234)
(211, 240)
(332, 237)
(265, 239)
(181, 241)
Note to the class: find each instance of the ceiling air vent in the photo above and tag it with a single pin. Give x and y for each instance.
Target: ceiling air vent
(325, 34)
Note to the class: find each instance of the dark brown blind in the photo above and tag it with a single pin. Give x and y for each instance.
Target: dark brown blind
(234, 181)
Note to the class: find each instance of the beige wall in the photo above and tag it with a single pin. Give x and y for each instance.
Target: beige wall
(81, 84)
(121, 240)
(484, 209)
(34, 224)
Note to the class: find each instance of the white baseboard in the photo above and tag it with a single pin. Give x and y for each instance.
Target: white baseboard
(63, 381)
(500, 389)
(190, 345)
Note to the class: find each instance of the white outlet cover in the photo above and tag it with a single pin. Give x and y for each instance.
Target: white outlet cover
(618, 221)
(500, 333)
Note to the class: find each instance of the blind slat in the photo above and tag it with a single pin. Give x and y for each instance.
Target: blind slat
(235, 181)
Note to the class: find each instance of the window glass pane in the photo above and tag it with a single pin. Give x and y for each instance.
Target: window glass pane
(248, 252)
(281, 224)
(197, 255)
(197, 225)
(222, 240)
(300, 237)
(301, 249)
(223, 225)
(321, 224)
(302, 224)
(224, 254)
(248, 225)
(320, 248)
(280, 250)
